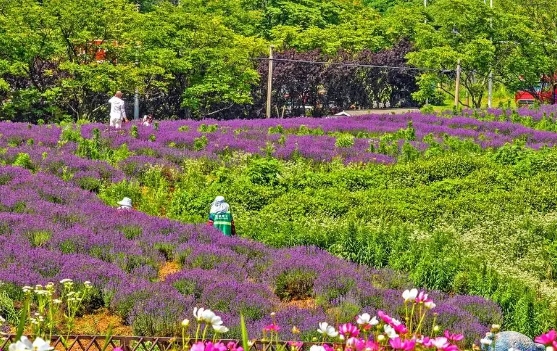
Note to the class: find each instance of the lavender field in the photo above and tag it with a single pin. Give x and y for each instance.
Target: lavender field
(343, 212)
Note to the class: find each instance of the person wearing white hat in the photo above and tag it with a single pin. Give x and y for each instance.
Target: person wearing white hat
(125, 204)
(220, 216)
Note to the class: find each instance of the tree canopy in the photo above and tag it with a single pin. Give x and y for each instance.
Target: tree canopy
(61, 59)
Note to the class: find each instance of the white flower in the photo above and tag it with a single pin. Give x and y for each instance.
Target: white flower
(410, 295)
(220, 329)
(65, 281)
(185, 323)
(316, 348)
(390, 331)
(483, 341)
(215, 321)
(548, 348)
(326, 329)
(24, 344)
(2, 320)
(380, 337)
(57, 301)
(198, 313)
(40, 345)
(429, 305)
(440, 342)
(374, 321)
(208, 316)
(364, 318)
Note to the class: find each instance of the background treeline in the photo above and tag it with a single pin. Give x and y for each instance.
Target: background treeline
(191, 59)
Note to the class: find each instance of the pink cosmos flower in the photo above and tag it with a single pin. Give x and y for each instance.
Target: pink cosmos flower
(328, 347)
(272, 327)
(451, 347)
(348, 330)
(399, 327)
(422, 297)
(547, 339)
(440, 342)
(355, 344)
(198, 346)
(426, 341)
(453, 337)
(384, 317)
(371, 346)
(118, 349)
(399, 344)
(232, 346)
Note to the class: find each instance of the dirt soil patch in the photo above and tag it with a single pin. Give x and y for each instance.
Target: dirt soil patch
(99, 323)
(168, 268)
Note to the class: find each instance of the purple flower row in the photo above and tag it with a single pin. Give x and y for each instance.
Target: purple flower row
(50, 230)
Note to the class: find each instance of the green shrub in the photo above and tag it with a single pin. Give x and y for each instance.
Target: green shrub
(39, 237)
(344, 140)
(264, 171)
(7, 309)
(24, 160)
(295, 284)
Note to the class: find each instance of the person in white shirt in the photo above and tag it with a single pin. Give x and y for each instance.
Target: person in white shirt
(117, 110)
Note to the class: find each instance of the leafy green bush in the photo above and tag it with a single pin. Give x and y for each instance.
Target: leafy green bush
(296, 284)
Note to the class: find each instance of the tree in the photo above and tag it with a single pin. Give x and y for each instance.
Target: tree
(456, 30)
(528, 50)
(206, 65)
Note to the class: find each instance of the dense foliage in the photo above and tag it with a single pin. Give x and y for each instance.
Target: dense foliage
(464, 205)
(61, 60)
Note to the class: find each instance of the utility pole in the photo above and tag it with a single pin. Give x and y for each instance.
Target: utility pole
(490, 77)
(136, 104)
(270, 82)
(457, 84)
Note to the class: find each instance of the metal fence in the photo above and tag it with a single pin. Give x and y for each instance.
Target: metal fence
(139, 343)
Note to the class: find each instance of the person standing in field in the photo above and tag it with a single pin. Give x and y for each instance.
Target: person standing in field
(117, 110)
(220, 216)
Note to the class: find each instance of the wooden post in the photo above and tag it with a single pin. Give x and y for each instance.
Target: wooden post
(269, 82)
(457, 84)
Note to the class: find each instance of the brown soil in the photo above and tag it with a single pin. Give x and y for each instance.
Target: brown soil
(99, 323)
(307, 304)
(168, 268)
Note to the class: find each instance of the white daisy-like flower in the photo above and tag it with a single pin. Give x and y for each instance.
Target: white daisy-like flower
(198, 313)
(390, 331)
(24, 344)
(364, 318)
(326, 329)
(220, 329)
(208, 315)
(410, 295)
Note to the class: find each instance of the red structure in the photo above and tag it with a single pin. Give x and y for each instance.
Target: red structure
(545, 92)
(96, 49)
